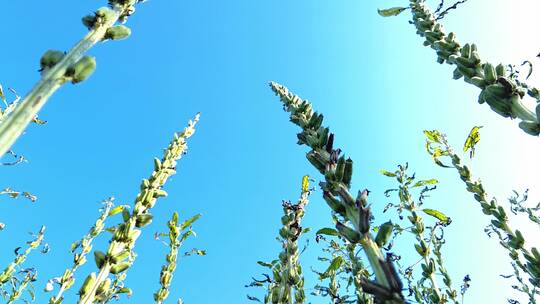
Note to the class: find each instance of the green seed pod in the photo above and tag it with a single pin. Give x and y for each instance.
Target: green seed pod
(457, 74)
(490, 74)
(501, 70)
(160, 193)
(104, 286)
(120, 256)
(466, 51)
(157, 164)
(100, 258)
(384, 234)
(476, 81)
(89, 21)
(340, 169)
(117, 32)
(467, 72)
(143, 220)
(85, 288)
(530, 127)
(50, 59)
(347, 174)
(118, 268)
(104, 14)
(82, 69)
(464, 62)
(334, 203)
(352, 236)
(125, 215)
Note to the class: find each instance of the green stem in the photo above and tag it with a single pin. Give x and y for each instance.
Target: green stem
(51, 80)
(374, 256)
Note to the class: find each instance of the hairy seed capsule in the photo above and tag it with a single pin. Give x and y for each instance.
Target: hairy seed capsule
(87, 283)
(383, 236)
(82, 69)
(50, 59)
(118, 268)
(117, 32)
(100, 258)
(89, 21)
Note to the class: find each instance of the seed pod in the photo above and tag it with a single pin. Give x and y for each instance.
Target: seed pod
(104, 14)
(82, 69)
(117, 32)
(334, 203)
(125, 215)
(143, 220)
(383, 236)
(120, 256)
(100, 258)
(85, 288)
(104, 286)
(490, 74)
(118, 268)
(477, 81)
(466, 51)
(501, 70)
(530, 127)
(89, 21)
(457, 74)
(347, 174)
(340, 169)
(50, 59)
(352, 236)
(160, 193)
(465, 71)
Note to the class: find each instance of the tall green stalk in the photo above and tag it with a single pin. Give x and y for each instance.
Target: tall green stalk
(119, 255)
(337, 171)
(502, 92)
(523, 259)
(68, 279)
(58, 68)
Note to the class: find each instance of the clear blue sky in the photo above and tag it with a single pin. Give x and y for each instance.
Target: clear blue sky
(372, 78)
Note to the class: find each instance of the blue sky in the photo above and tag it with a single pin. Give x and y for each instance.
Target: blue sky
(372, 78)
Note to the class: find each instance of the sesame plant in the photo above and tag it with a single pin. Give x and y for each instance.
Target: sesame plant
(524, 260)
(58, 67)
(286, 285)
(353, 214)
(500, 86)
(177, 234)
(107, 283)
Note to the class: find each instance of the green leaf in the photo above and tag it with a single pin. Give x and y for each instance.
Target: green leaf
(434, 135)
(306, 230)
(264, 264)
(190, 221)
(328, 231)
(437, 214)
(334, 266)
(426, 182)
(472, 140)
(387, 173)
(389, 12)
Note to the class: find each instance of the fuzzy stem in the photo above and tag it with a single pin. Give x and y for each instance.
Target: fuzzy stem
(17, 293)
(67, 279)
(10, 269)
(338, 173)
(52, 79)
(126, 235)
(474, 71)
